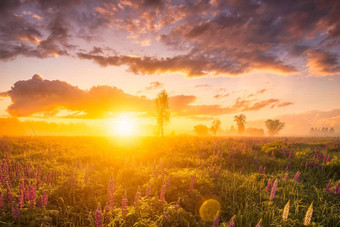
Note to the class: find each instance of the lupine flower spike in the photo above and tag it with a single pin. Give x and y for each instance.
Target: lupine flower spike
(216, 219)
(309, 214)
(296, 177)
(285, 212)
(124, 205)
(272, 194)
(259, 224)
(329, 185)
(232, 222)
(99, 217)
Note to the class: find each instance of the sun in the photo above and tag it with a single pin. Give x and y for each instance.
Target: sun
(124, 125)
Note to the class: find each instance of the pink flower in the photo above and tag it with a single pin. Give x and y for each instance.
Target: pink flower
(329, 185)
(296, 177)
(110, 191)
(2, 204)
(15, 211)
(99, 217)
(137, 197)
(216, 219)
(272, 194)
(192, 183)
(162, 195)
(9, 196)
(260, 169)
(269, 185)
(124, 205)
(44, 199)
(148, 191)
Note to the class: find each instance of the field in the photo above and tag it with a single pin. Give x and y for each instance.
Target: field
(152, 181)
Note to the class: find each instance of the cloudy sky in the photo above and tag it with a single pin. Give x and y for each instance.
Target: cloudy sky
(90, 61)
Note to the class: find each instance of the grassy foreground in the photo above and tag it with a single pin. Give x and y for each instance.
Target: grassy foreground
(54, 181)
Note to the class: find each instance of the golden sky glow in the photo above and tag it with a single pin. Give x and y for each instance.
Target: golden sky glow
(88, 64)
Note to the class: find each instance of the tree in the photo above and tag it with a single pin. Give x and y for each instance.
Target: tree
(162, 110)
(215, 126)
(274, 126)
(201, 130)
(240, 121)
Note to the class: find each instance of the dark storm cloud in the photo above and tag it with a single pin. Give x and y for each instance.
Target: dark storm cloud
(38, 95)
(218, 37)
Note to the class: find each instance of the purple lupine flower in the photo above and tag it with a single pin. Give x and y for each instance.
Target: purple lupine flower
(107, 214)
(44, 199)
(177, 205)
(137, 197)
(148, 191)
(110, 191)
(296, 177)
(272, 193)
(269, 185)
(15, 211)
(260, 169)
(329, 185)
(9, 196)
(124, 205)
(232, 222)
(32, 195)
(216, 219)
(162, 195)
(290, 155)
(324, 157)
(306, 164)
(21, 199)
(335, 189)
(192, 183)
(264, 170)
(99, 217)
(2, 203)
(328, 158)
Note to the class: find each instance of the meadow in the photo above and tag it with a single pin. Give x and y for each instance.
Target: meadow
(170, 181)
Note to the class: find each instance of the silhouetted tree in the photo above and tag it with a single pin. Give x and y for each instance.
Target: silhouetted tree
(162, 110)
(201, 130)
(274, 126)
(241, 122)
(215, 126)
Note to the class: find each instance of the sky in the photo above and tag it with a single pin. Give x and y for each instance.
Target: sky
(92, 64)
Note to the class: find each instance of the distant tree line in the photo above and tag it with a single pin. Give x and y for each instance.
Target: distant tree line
(273, 127)
(324, 131)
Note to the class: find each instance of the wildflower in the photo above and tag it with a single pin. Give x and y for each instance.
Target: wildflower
(259, 224)
(32, 195)
(192, 183)
(269, 185)
(124, 205)
(107, 214)
(137, 197)
(2, 204)
(9, 196)
(99, 216)
(308, 216)
(272, 194)
(285, 211)
(290, 155)
(148, 191)
(264, 170)
(329, 185)
(44, 199)
(216, 219)
(177, 204)
(232, 222)
(110, 191)
(286, 176)
(260, 169)
(162, 195)
(15, 211)
(296, 177)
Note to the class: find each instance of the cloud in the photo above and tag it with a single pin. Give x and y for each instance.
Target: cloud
(154, 85)
(215, 37)
(49, 97)
(323, 63)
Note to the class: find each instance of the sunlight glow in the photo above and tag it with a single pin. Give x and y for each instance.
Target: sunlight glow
(124, 125)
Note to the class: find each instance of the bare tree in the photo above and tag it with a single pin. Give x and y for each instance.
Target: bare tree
(274, 126)
(215, 126)
(241, 122)
(162, 110)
